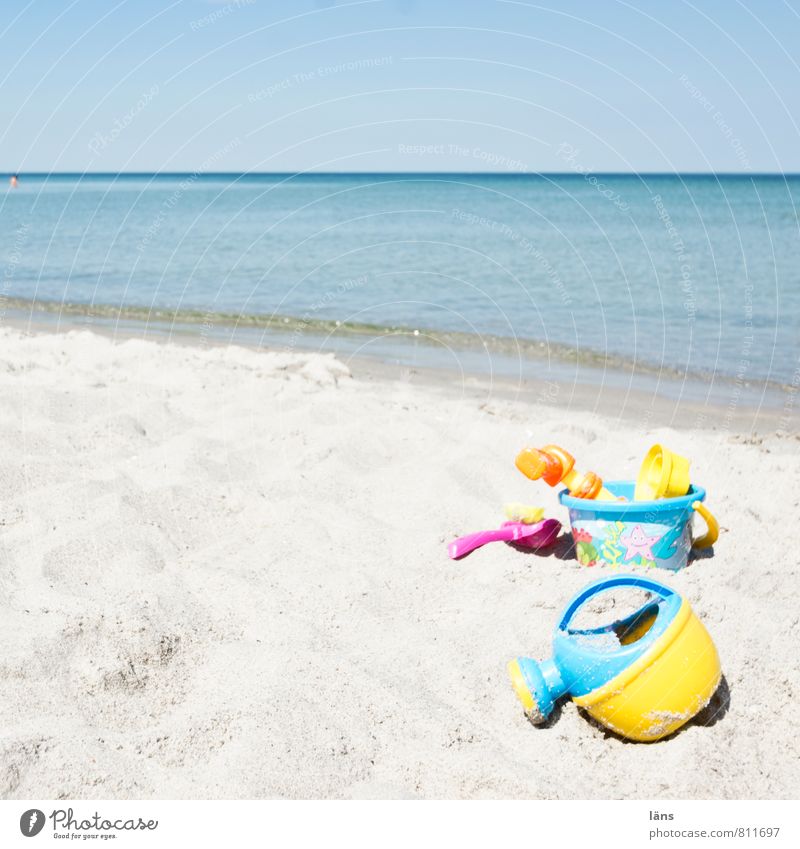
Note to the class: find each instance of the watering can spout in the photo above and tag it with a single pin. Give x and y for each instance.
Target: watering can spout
(537, 685)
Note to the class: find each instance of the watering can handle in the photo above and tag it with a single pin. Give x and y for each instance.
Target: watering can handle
(710, 537)
(604, 584)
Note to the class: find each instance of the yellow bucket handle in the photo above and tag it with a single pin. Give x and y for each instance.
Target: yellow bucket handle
(712, 533)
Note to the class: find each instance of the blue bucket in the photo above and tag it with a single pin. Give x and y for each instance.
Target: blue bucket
(636, 533)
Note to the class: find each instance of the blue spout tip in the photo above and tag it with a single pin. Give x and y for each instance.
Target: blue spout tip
(537, 686)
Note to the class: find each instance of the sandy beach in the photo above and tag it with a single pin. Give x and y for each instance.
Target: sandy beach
(223, 574)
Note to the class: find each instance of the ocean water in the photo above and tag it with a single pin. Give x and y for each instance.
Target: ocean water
(699, 274)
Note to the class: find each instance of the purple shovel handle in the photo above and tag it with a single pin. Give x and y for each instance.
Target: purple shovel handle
(463, 545)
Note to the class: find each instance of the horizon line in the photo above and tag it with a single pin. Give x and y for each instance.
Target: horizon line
(198, 173)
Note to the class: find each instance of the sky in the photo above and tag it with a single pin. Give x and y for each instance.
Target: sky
(399, 85)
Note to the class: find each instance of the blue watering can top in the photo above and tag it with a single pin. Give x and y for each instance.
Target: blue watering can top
(585, 661)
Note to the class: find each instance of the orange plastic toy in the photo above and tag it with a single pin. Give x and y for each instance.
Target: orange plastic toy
(555, 466)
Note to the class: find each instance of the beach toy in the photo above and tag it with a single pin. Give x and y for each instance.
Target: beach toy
(643, 676)
(663, 474)
(641, 533)
(525, 513)
(539, 535)
(555, 466)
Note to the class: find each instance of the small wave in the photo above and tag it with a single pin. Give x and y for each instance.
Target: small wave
(189, 319)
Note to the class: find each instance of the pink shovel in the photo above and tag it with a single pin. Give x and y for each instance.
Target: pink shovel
(539, 535)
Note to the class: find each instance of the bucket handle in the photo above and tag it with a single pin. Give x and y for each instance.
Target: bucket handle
(712, 534)
(607, 583)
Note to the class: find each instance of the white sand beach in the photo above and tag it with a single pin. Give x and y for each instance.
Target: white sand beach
(223, 574)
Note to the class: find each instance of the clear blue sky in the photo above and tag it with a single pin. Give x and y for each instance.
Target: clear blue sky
(406, 85)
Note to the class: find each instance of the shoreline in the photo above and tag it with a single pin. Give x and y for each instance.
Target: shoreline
(507, 351)
(649, 398)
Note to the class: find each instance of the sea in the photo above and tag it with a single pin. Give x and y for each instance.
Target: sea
(691, 276)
